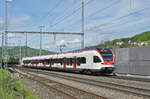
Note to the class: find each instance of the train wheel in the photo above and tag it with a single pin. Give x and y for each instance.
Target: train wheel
(88, 72)
(81, 71)
(94, 73)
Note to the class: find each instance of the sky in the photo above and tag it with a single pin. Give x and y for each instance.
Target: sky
(104, 20)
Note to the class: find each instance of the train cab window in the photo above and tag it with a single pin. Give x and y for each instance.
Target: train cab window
(96, 59)
(83, 60)
(24, 62)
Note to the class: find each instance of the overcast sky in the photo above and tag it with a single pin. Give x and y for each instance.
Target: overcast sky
(104, 20)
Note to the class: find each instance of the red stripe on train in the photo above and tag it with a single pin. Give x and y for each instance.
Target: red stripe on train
(44, 63)
(74, 63)
(108, 62)
(50, 61)
(64, 66)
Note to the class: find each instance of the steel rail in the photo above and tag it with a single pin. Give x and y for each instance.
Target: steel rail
(48, 86)
(121, 88)
(132, 79)
(70, 87)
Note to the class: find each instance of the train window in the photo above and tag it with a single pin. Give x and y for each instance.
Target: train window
(69, 61)
(47, 61)
(52, 61)
(41, 61)
(24, 62)
(33, 61)
(83, 60)
(78, 61)
(27, 61)
(96, 59)
(59, 60)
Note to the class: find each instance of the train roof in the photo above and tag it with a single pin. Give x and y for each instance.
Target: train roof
(89, 49)
(74, 51)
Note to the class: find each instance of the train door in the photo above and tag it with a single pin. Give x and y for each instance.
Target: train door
(74, 62)
(32, 63)
(44, 63)
(36, 63)
(50, 63)
(89, 61)
(64, 62)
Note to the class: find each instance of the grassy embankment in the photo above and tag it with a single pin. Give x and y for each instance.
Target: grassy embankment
(12, 88)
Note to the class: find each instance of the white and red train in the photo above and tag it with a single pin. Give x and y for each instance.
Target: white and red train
(95, 60)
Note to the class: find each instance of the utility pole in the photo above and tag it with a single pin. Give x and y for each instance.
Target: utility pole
(6, 33)
(41, 39)
(2, 53)
(82, 25)
(26, 52)
(20, 56)
(55, 40)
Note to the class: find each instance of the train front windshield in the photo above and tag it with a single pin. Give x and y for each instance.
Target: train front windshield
(106, 54)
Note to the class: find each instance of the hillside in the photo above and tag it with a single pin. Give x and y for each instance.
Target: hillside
(14, 51)
(142, 39)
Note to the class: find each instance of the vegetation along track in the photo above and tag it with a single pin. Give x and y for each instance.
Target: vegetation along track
(66, 91)
(118, 87)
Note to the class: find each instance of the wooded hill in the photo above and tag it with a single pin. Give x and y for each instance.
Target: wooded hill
(14, 51)
(142, 39)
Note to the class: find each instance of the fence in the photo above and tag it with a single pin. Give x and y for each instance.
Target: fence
(133, 61)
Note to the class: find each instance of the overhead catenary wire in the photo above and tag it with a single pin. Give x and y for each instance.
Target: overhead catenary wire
(49, 13)
(101, 10)
(120, 33)
(105, 8)
(121, 24)
(71, 14)
(63, 15)
(110, 22)
(119, 18)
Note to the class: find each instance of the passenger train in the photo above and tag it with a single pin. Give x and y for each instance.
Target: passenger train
(94, 60)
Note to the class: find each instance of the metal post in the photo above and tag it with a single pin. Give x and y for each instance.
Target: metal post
(82, 25)
(55, 40)
(6, 34)
(26, 46)
(20, 56)
(41, 40)
(2, 53)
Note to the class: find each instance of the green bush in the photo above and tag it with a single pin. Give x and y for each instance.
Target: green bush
(10, 86)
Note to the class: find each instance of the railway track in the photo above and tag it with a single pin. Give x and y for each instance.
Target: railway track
(145, 80)
(66, 91)
(132, 79)
(117, 87)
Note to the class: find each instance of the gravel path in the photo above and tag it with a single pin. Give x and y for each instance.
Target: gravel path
(40, 91)
(112, 80)
(45, 93)
(110, 94)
